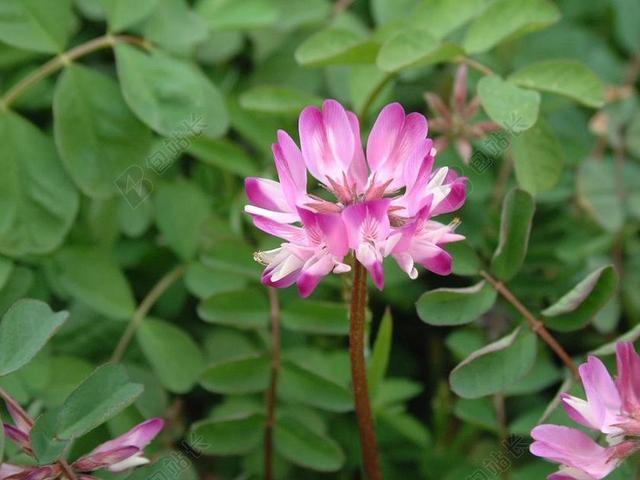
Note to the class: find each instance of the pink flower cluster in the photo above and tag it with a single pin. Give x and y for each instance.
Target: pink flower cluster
(117, 455)
(612, 408)
(382, 202)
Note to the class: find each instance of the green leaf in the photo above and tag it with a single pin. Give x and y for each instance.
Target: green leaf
(229, 436)
(381, 351)
(627, 21)
(578, 306)
(181, 210)
(6, 269)
(515, 228)
(172, 353)
(465, 259)
(299, 384)
(232, 15)
(508, 19)
(249, 374)
(599, 194)
(122, 14)
(34, 25)
(97, 136)
(38, 202)
(171, 96)
(336, 46)
(24, 331)
(277, 100)
(538, 159)
(223, 154)
(564, 77)
(495, 367)
(100, 397)
(413, 47)
(103, 287)
(306, 448)
(441, 17)
(511, 107)
(46, 447)
(203, 282)
(456, 306)
(386, 11)
(175, 27)
(316, 317)
(239, 309)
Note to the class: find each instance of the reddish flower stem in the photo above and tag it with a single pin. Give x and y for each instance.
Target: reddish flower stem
(370, 456)
(536, 325)
(272, 392)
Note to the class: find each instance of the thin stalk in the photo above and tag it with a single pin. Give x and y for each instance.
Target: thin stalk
(536, 325)
(272, 392)
(480, 67)
(145, 306)
(370, 456)
(63, 59)
(17, 408)
(67, 470)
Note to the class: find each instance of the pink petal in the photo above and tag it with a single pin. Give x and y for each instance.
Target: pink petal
(291, 169)
(572, 448)
(139, 436)
(393, 139)
(327, 140)
(103, 459)
(18, 436)
(268, 200)
(563, 476)
(284, 264)
(456, 196)
(7, 470)
(312, 273)
(367, 218)
(434, 259)
(20, 422)
(628, 376)
(602, 393)
(358, 171)
(326, 229)
(277, 229)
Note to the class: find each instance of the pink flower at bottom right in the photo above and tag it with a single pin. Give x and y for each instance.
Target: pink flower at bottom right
(612, 407)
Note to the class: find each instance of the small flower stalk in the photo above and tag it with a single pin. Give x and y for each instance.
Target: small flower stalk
(380, 202)
(612, 408)
(118, 455)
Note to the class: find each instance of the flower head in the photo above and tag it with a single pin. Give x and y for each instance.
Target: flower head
(611, 407)
(117, 455)
(453, 121)
(383, 199)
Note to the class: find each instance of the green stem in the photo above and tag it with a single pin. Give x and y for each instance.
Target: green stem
(63, 59)
(145, 306)
(480, 67)
(272, 392)
(368, 444)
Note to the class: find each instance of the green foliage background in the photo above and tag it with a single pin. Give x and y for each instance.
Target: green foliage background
(121, 195)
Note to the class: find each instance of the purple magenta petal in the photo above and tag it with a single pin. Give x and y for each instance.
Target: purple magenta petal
(628, 376)
(139, 436)
(97, 460)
